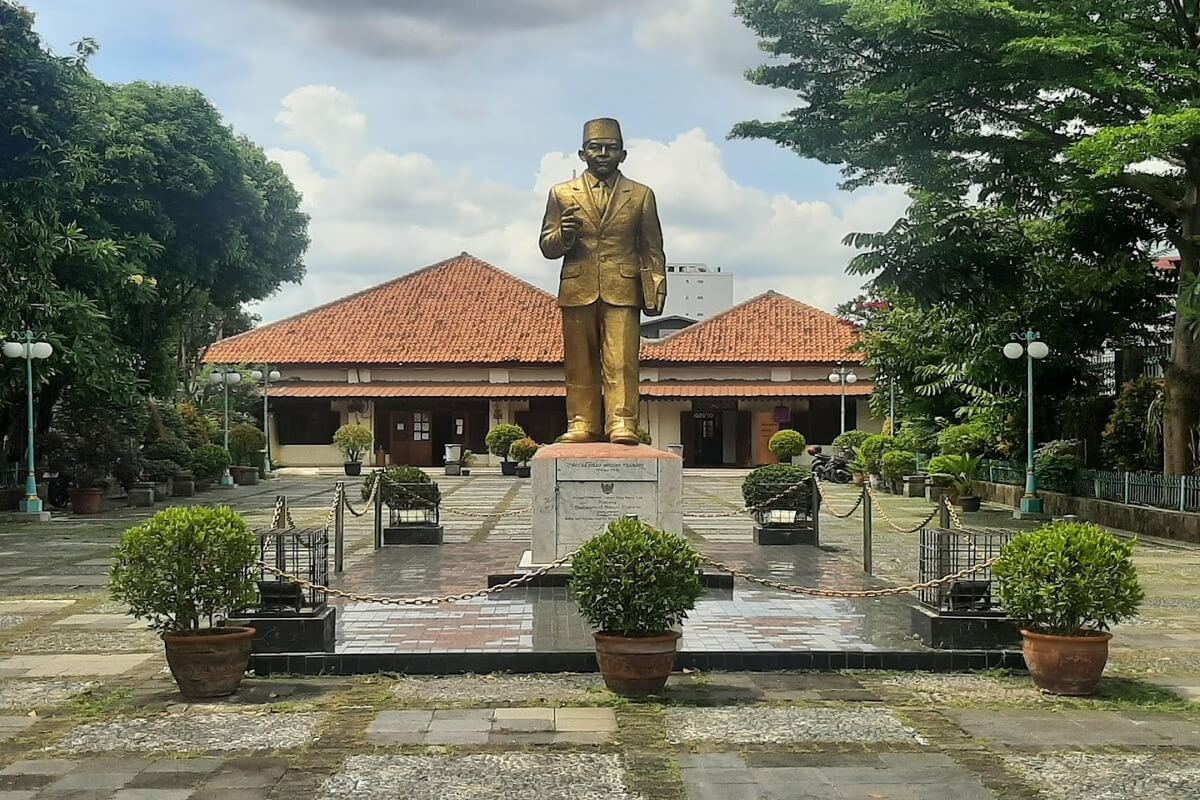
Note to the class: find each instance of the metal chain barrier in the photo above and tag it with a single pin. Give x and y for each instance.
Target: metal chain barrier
(417, 601)
(763, 506)
(368, 504)
(832, 509)
(891, 523)
(847, 593)
(282, 515)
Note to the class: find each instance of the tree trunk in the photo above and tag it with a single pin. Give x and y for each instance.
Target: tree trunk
(1183, 373)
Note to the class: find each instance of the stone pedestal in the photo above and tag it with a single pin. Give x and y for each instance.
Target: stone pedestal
(579, 488)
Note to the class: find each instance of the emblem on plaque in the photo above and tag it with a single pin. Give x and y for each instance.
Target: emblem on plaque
(606, 487)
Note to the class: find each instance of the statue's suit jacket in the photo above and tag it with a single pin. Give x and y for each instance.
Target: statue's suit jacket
(617, 256)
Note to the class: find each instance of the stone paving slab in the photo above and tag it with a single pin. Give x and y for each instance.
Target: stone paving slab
(756, 724)
(1110, 776)
(74, 640)
(1065, 728)
(886, 776)
(146, 778)
(12, 726)
(195, 732)
(44, 666)
(29, 694)
(104, 621)
(528, 776)
(499, 726)
(497, 689)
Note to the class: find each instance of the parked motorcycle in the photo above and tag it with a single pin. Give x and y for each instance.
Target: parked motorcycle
(833, 469)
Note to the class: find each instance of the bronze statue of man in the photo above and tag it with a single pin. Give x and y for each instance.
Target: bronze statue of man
(605, 228)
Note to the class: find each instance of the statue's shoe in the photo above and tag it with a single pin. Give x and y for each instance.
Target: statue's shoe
(623, 436)
(578, 437)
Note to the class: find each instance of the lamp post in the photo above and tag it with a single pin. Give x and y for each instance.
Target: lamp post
(1028, 344)
(29, 345)
(225, 377)
(266, 375)
(892, 405)
(843, 376)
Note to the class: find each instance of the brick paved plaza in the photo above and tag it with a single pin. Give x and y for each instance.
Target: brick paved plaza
(87, 709)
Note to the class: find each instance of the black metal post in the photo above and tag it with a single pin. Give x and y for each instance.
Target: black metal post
(944, 513)
(816, 508)
(339, 526)
(378, 510)
(867, 534)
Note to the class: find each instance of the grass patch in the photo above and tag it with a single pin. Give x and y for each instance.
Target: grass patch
(97, 703)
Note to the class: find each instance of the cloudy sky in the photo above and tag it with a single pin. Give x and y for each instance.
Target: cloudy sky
(417, 129)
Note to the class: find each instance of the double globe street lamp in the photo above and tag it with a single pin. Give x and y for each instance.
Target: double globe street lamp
(29, 345)
(226, 377)
(267, 376)
(845, 377)
(1028, 344)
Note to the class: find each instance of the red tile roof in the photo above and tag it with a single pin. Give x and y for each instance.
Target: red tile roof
(649, 389)
(771, 328)
(459, 311)
(466, 311)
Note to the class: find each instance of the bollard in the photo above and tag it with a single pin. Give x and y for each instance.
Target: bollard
(866, 514)
(281, 503)
(816, 509)
(339, 526)
(378, 512)
(944, 514)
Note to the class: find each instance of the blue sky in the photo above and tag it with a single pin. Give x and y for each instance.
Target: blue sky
(420, 128)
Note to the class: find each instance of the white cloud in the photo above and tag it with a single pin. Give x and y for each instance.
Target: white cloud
(705, 32)
(377, 214)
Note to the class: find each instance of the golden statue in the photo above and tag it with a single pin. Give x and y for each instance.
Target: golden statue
(605, 228)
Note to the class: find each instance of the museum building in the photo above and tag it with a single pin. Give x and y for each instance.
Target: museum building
(440, 355)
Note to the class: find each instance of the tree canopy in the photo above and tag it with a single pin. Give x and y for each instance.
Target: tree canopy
(1025, 103)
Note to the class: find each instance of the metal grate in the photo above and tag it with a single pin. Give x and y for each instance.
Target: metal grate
(789, 506)
(303, 552)
(945, 552)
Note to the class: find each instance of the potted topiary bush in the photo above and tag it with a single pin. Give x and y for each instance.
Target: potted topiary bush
(161, 473)
(872, 450)
(895, 466)
(413, 502)
(246, 444)
(209, 462)
(961, 473)
(182, 571)
(937, 479)
(468, 461)
(521, 451)
(499, 440)
(848, 441)
(353, 441)
(1066, 583)
(788, 446)
(635, 584)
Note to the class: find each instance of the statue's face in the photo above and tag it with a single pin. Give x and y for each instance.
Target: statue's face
(603, 156)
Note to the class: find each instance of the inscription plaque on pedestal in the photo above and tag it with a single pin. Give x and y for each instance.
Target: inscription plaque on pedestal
(579, 489)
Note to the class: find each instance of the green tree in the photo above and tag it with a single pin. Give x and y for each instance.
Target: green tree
(1025, 101)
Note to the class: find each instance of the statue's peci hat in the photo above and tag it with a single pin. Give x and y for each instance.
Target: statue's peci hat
(603, 128)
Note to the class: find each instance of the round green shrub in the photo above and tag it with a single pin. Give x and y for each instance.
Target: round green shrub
(787, 443)
(403, 487)
(161, 470)
(644, 436)
(635, 580)
(185, 566)
(957, 472)
(209, 461)
(1057, 464)
(788, 482)
(1068, 579)
(872, 450)
(500, 438)
(848, 441)
(169, 449)
(353, 440)
(898, 463)
(523, 449)
(245, 445)
(939, 469)
(968, 439)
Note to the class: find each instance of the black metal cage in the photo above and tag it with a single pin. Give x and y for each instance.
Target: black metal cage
(302, 552)
(413, 504)
(947, 552)
(787, 505)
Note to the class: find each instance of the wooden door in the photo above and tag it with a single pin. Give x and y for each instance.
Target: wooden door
(411, 438)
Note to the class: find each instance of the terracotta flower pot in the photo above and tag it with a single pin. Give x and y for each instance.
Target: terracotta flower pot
(209, 663)
(634, 666)
(1069, 665)
(86, 501)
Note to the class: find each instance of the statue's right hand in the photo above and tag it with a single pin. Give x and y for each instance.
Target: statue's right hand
(570, 223)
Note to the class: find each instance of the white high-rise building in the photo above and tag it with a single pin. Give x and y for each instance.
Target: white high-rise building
(697, 291)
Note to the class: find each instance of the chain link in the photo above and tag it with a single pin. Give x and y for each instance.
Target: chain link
(883, 513)
(417, 601)
(832, 509)
(847, 593)
(368, 504)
